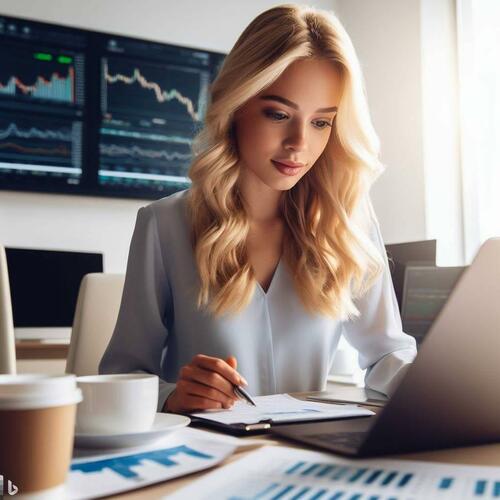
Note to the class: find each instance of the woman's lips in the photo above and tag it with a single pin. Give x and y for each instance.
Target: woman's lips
(286, 169)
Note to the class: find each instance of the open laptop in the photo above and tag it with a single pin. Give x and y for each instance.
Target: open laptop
(450, 395)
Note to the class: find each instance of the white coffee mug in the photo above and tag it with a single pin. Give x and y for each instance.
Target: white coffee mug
(117, 404)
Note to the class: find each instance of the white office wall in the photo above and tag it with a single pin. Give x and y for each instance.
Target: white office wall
(389, 36)
(386, 35)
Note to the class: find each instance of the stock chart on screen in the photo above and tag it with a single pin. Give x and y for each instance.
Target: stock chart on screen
(153, 99)
(42, 102)
(93, 113)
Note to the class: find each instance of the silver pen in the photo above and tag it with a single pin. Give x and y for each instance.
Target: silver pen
(241, 393)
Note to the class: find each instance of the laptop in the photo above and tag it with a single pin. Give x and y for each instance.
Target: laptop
(450, 395)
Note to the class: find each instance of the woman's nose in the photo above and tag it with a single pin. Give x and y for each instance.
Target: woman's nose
(296, 138)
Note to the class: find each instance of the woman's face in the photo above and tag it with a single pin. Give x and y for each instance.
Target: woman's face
(282, 131)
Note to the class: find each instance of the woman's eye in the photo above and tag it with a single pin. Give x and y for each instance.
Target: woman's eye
(275, 115)
(322, 124)
(278, 116)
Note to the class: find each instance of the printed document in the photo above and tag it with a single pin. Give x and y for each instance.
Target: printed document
(281, 408)
(286, 473)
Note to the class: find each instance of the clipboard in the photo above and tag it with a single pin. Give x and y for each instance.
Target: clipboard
(261, 427)
(273, 410)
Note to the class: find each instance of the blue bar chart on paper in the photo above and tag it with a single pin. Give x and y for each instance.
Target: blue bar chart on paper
(109, 473)
(285, 474)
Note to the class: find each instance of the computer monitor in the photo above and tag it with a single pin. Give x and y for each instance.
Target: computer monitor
(44, 288)
(426, 289)
(91, 113)
(423, 250)
(399, 254)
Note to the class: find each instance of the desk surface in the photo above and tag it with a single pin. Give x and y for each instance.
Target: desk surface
(36, 349)
(474, 455)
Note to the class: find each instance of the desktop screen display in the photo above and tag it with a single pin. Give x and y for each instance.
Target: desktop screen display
(426, 290)
(399, 254)
(92, 113)
(44, 284)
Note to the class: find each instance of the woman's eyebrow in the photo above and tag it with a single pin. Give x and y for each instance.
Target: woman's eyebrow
(291, 104)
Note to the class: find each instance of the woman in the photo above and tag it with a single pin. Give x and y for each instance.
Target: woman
(251, 275)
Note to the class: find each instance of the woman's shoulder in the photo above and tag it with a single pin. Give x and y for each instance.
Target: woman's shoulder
(169, 214)
(167, 218)
(171, 209)
(171, 203)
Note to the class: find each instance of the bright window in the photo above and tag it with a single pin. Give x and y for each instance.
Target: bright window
(478, 30)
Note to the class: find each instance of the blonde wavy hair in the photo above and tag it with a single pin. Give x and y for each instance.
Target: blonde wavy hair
(327, 213)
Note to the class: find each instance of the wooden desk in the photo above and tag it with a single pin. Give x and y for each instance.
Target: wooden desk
(35, 349)
(474, 455)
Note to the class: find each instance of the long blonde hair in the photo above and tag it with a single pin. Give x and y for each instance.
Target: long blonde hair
(326, 214)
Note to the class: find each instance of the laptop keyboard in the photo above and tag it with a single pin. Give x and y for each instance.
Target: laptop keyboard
(345, 439)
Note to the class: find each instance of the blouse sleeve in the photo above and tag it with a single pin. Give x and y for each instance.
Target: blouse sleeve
(140, 335)
(385, 351)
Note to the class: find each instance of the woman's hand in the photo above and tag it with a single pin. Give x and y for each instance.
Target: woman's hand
(205, 383)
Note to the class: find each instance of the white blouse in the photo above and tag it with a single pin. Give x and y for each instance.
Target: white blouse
(279, 346)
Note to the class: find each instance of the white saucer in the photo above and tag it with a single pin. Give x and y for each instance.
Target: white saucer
(163, 424)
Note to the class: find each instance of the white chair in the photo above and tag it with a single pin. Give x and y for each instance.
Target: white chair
(96, 313)
(7, 340)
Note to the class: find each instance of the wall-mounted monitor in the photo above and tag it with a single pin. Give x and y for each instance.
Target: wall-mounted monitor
(92, 113)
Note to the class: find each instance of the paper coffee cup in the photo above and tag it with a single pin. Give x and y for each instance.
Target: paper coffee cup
(37, 419)
(117, 403)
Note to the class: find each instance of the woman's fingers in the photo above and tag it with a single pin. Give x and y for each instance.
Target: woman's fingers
(180, 401)
(203, 391)
(231, 361)
(208, 378)
(191, 402)
(205, 383)
(219, 366)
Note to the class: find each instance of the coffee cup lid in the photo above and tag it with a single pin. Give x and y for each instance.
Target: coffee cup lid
(28, 391)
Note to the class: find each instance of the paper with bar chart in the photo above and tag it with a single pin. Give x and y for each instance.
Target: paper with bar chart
(287, 473)
(185, 451)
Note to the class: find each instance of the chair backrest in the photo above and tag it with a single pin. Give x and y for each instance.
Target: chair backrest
(95, 318)
(7, 340)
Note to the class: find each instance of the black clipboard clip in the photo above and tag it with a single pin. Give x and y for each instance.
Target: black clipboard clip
(239, 429)
(258, 426)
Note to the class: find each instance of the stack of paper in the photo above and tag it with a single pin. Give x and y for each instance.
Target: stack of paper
(285, 473)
